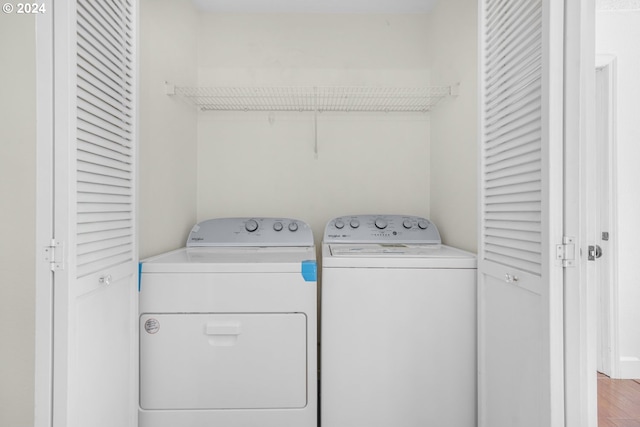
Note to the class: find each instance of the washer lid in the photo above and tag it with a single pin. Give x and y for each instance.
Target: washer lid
(388, 250)
(376, 255)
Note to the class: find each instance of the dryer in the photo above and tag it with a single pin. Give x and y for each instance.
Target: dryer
(398, 325)
(228, 327)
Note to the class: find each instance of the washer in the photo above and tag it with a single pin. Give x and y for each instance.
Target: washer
(228, 327)
(398, 340)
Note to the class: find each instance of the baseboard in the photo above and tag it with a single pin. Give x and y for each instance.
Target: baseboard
(629, 368)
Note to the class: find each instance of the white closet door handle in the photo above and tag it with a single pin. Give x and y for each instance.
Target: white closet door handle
(105, 280)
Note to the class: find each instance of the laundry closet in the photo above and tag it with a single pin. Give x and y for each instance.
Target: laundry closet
(189, 164)
(320, 158)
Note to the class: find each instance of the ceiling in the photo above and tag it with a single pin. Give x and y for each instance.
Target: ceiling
(315, 6)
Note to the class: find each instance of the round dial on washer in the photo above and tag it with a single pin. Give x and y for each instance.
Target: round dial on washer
(381, 223)
(339, 224)
(354, 223)
(277, 226)
(251, 225)
(423, 224)
(407, 224)
(293, 226)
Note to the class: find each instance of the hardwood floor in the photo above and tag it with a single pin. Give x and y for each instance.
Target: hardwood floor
(618, 402)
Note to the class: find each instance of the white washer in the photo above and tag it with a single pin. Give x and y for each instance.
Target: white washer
(398, 340)
(228, 327)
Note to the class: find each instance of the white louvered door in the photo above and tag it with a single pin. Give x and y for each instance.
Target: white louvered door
(521, 188)
(95, 288)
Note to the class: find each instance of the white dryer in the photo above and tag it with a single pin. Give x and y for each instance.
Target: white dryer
(228, 327)
(398, 325)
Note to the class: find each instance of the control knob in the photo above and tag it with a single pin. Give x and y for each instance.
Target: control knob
(423, 224)
(407, 224)
(339, 224)
(354, 223)
(251, 225)
(381, 223)
(277, 226)
(293, 226)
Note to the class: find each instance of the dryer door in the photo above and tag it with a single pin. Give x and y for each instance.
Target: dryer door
(223, 361)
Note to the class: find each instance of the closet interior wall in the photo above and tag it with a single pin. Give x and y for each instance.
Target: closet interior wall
(264, 163)
(168, 138)
(454, 124)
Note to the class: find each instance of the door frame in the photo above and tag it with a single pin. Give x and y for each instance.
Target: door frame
(580, 295)
(607, 312)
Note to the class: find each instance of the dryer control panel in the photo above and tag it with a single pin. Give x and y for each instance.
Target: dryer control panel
(250, 232)
(381, 229)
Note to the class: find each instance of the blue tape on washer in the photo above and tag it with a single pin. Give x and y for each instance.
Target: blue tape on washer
(309, 271)
(139, 275)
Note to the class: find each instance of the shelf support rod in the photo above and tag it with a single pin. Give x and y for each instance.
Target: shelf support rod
(315, 122)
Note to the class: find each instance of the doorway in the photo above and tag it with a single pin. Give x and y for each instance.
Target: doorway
(605, 208)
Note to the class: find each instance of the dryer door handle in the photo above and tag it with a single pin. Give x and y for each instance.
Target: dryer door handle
(223, 329)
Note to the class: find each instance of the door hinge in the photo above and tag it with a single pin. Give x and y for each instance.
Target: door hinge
(566, 252)
(54, 255)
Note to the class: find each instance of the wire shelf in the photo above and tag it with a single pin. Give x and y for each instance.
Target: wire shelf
(317, 98)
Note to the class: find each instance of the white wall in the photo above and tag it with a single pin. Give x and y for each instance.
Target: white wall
(17, 218)
(167, 155)
(262, 164)
(617, 33)
(454, 124)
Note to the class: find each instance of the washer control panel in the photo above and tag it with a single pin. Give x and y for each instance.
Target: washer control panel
(381, 229)
(251, 232)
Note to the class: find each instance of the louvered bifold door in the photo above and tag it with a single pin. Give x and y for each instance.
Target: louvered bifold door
(105, 161)
(95, 344)
(520, 280)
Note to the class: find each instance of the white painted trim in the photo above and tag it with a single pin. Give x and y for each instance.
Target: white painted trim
(554, 221)
(607, 64)
(64, 61)
(580, 338)
(44, 218)
(629, 367)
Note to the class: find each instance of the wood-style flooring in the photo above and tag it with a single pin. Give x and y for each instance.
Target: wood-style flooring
(618, 402)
